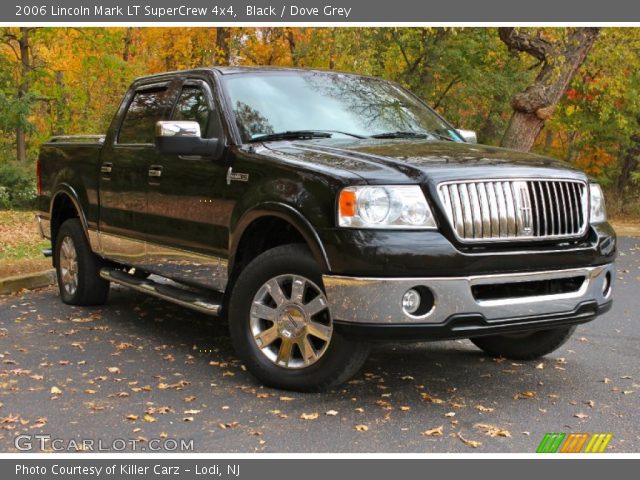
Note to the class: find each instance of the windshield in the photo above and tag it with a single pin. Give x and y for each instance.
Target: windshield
(274, 102)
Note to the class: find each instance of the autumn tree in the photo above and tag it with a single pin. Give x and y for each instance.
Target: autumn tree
(18, 41)
(558, 60)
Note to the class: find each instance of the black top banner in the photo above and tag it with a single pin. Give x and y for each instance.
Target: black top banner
(318, 11)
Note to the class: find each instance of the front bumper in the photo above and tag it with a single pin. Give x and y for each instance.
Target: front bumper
(361, 304)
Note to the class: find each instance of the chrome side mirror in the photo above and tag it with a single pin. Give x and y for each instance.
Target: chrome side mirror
(468, 136)
(183, 138)
(177, 129)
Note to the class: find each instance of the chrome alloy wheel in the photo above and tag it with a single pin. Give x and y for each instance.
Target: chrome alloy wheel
(68, 265)
(290, 321)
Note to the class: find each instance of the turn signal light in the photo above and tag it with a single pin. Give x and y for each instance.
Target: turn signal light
(347, 203)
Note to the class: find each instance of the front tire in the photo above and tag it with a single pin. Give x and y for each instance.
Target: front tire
(528, 346)
(77, 267)
(281, 326)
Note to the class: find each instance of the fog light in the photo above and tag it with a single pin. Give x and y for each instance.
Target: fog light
(411, 301)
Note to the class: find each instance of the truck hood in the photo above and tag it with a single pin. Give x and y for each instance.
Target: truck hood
(419, 161)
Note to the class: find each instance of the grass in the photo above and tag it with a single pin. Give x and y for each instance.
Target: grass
(20, 244)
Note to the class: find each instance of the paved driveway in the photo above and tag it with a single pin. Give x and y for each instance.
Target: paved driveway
(146, 370)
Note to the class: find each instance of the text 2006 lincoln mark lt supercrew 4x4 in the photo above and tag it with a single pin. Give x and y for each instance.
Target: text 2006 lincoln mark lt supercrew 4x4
(318, 211)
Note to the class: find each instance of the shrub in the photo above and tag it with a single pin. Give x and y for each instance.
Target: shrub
(17, 186)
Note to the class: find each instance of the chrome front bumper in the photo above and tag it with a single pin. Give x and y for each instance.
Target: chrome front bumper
(379, 300)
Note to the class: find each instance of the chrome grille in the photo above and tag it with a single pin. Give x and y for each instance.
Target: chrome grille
(515, 209)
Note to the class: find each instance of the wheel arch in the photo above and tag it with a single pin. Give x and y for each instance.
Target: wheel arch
(65, 204)
(274, 211)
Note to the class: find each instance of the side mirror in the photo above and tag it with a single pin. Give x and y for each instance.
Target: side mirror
(183, 138)
(468, 136)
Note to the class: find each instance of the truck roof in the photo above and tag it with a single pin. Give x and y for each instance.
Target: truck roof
(230, 70)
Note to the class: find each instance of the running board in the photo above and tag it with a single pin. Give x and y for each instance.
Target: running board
(204, 302)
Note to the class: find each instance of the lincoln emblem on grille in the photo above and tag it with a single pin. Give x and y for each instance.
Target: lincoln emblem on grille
(523, 203)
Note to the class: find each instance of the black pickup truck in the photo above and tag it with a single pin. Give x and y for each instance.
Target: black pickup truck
(319, 211)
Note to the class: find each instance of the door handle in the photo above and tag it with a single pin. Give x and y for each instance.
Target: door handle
(155, 171)
(106, 168)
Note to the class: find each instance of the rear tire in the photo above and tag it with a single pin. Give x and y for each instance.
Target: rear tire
(281, 326)
(77, 267)
(527, 346)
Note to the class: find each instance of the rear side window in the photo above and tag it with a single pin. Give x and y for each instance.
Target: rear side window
(192, 105)
(140, 120)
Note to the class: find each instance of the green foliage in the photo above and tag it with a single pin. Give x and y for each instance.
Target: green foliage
(17, 186)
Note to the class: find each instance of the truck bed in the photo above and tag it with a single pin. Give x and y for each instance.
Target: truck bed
(71, 162)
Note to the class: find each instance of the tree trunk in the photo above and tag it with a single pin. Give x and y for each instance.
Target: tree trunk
(332, 50)
(61, 105)
(291, 41)
(222, 54)
(23, 91)
(128, 40)
(560, 62)
(522, 131)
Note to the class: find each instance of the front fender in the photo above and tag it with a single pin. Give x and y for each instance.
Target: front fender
(288, 214)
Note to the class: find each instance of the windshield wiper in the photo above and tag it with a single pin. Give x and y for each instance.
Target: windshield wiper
(302, 135)
(291, 135)
(411, 134)
(400, 134)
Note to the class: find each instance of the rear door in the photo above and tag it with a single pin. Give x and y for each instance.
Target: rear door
(126, 160)
(187, 231)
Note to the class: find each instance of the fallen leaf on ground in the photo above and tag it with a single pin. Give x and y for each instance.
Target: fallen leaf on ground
(331, 413)
(224, 426)
(56, 391)
(113, 370)
(434, 432)
(482, 408)
(286, 399)
(428, 398)
(132, 417)
(492, 430)
(361, 428)
(39, 423)
(309, 416)
(581, 415)
(467, 442)
(175, 386)
(524, 395)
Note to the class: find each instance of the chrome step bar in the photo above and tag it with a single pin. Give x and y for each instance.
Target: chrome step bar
(209, 303)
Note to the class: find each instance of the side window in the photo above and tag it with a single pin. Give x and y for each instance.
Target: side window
(140, 120)
(192, 105)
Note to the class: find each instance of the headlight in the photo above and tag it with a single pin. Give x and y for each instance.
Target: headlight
(598, 212)
(395, 206)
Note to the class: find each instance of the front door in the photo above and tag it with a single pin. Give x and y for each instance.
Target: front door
(124, 171)
(187, 229)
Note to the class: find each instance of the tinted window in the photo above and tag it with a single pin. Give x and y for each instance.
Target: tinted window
(192, 105)
(144, 111)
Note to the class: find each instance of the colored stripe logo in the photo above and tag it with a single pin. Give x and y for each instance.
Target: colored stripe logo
(574, 443)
